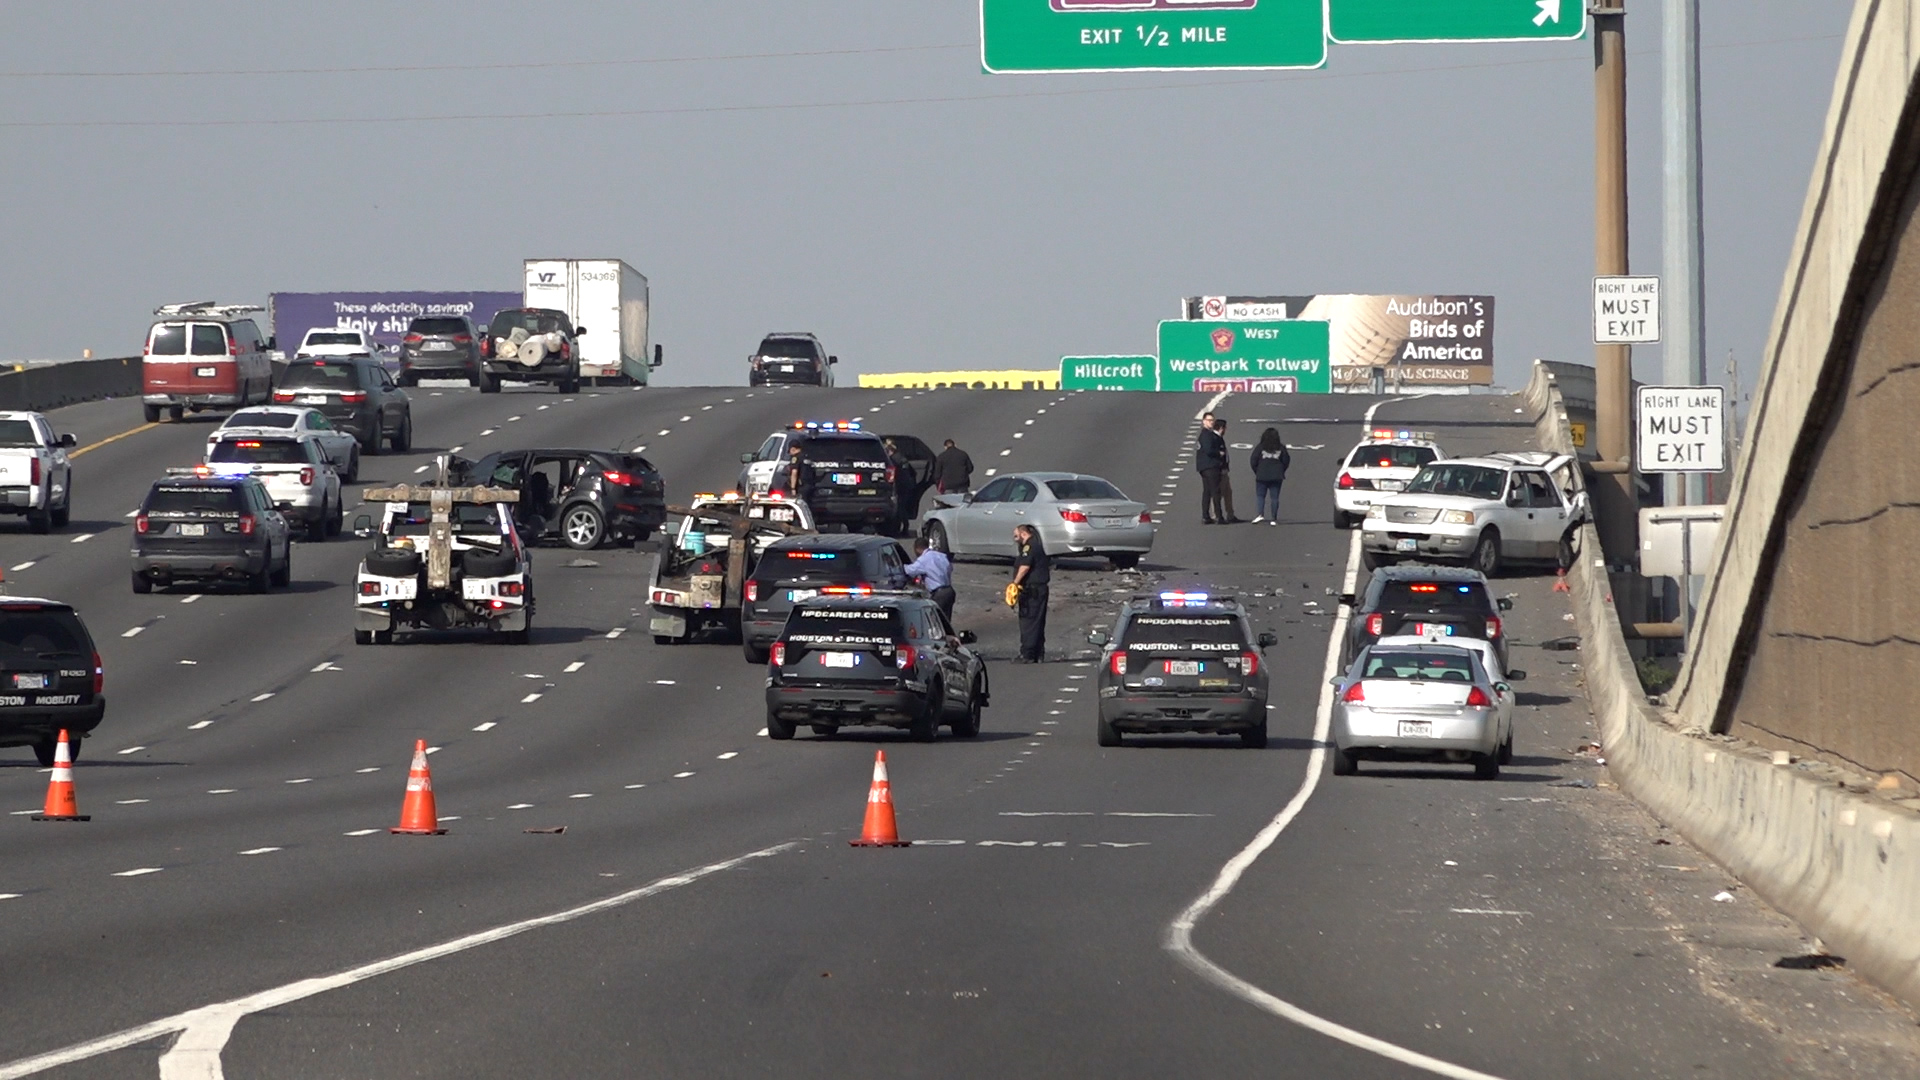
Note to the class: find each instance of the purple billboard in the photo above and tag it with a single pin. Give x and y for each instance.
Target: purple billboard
(384, 315)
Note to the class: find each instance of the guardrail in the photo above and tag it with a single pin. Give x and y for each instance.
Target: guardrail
(39, 387)
(1843, 863)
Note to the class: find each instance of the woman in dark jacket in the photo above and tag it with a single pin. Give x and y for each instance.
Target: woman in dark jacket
(1269, 464)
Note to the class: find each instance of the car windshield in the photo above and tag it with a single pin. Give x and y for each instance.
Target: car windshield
(533, 322)
(843, 626)
(261, 418)
(209, 340)
(1384, 456)
(1475, 481)
(1455, 666)
(169, 339)
(192, 499)
(329, 337)
(1083, 487)
(437, 326)
(40, 633)
(848, 450)
(469, 519)
(259, 452)
(318, 375)
(17, 433)
(789, 348)
(1183, 633)
(1435, 596)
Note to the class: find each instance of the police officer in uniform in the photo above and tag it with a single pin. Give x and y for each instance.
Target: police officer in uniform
(1032, 571)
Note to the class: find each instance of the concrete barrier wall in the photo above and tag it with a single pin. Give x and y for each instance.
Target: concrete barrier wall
(1844, 864)
(50, 386)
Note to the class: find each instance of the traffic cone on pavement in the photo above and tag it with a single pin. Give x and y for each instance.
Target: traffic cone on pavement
(879, 829)
(417, 815)
(1560, 581)
(60, 802)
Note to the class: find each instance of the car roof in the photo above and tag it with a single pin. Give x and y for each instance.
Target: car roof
(832, 541)
(808, 334)
(1399, 641)
(203, 480)
(19, 414)
(294, 410)
(1526, 459)
(9, 601)
(1043, 477)
(1429, 573)
(1422, 647)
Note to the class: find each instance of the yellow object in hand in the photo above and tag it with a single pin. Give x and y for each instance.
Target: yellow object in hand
(1013, 593)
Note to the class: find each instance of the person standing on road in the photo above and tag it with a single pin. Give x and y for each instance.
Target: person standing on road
(798, 474)
(1032, 572)
(1226, 479)
(952, 470)
(1210, 458)
(1269, 464)
(934, 571)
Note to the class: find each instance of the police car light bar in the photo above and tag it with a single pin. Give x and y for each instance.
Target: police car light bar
(826, 425)
(1402, 435)
(1184, 597)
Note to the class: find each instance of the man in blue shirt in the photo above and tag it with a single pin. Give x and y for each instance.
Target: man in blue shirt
(933, 570)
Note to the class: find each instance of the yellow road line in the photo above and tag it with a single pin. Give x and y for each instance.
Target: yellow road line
(111, 438)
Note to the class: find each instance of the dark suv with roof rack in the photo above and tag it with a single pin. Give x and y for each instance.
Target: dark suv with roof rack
(50, 676)
(1182, 662)
(879, 659)
(799, 568)
(1421, 600)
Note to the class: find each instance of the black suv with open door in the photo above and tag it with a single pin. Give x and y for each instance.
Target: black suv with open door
(50, 676)
(799, 568)
(1182, 661)
(1422, 600)
(578, 497)
(876, 660)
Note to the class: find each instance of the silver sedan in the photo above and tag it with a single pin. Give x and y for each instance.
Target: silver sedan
(1075, 514)
(1421, 702)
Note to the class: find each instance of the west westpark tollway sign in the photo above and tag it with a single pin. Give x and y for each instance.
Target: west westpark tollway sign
(1040, 36)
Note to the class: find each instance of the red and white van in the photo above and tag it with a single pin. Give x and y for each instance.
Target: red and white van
(204, 355)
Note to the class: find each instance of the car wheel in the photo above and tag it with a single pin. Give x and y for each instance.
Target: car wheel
(778, 728)
(663, 639)
(969, 725)
(45, 750)
(1486, 767)
(753, 654)
(141, 583)
(371, 446)
(383, 637)
(1566, 554)
(363, 637)
(937, 538)
(570, 386)
(1255, 738)
(1342, 520)
(927, 724)
(1344, 762)
(1506, 750)
(317, 528)
(39, 521)
(1124, 562)
(489, 384)
(334, 524)
(402, 440)
(176, 413)
(64, 512)
(825, 729)
(152, 413)
(353, 465)
(1486, 554)
(1374, 560)
(1105, 733)
(393, 562)
(284, 577)
(262, 581)
(582, 527)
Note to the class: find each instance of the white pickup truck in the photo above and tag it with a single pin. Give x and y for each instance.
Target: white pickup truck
(35, 479)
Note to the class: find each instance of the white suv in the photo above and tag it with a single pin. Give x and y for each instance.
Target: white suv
(337, 341)
(1481, 510)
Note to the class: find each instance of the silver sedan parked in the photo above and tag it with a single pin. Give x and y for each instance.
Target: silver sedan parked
(1075, 514)
(1420, 702)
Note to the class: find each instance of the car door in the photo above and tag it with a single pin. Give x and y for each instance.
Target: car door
(312, 423)
(393, 400)
(759, 472)
(975, 521)
(893, 567)
(59, 472)
(1535, 514)
(1018, 508)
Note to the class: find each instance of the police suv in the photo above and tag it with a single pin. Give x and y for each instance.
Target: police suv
(863, 657)
(1382, 462)
(1182, 661)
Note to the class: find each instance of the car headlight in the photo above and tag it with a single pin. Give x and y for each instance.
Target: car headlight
(1376, 511)
(1456, 517)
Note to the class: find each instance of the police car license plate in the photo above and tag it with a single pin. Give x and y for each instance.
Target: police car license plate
(1416, 729)
(794, 596)
(34, 681)
(313, 399)
(840, 659)
(1409, 544)
(1184, 667)
(193, 530)
(203, 373)
(1390, 485)
(848, 478)
(1425, 628)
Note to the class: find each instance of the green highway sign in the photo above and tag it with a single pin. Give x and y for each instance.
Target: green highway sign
(1246, 357)
(1379, 22)
(1034, 36)
(1109, 373)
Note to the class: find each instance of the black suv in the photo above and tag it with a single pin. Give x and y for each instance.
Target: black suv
(579, 497)
(1418, 600)
(860, 480)
(440, 347)
(790, 358)
(50, 676)
(882, 660)
(210, 528)
(355, 394)
(798, 568)
(1182, 662)
(531, 345)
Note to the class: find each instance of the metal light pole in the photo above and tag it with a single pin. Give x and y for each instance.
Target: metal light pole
(1683, 284)
(1615, 498)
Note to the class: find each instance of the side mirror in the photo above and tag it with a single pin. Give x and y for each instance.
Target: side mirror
(69, 440)
(273, 342)
(579, 331)
(1505, 603)
(1516, 675)
(1502, 688)
(363, 526)
(1098, 637)
(968, 637)
(749, 458)
(967, 499)
(1267, 639)
(659, 356)
(1347, 598)
(833, 359)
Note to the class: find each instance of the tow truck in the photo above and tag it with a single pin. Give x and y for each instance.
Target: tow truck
(445, 558)
(698, 578)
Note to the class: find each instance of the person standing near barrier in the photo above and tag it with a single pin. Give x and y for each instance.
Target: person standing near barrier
(1268, 463)
(934, 571)
(1226, 477)
(1210, 458)
(1032, 572)
(952, 470)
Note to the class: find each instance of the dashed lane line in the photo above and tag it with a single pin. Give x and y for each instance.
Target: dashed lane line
(28, 565)
(193, 598)
(530, 698)
(616, 632)
(360, 832)
(681, 775)
(302, 780)
(260, 851)
(262, 697)
(729, 755)
(128, 802)
(138, 871)
(199, 725)
(573, 667)
(133, 749)
(488, 726)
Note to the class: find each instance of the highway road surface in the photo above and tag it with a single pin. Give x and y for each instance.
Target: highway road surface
(1175, 907)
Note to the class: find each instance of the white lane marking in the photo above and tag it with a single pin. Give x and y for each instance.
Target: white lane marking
(1009, 843)
(135, 632)
(1076, 676)
(521, 806)
(581, 795)
(81, 539)
(133, 749)
(543, 408)
(530, 698)
(204, 1031)
(322, 665)
(761, 734)
(728, 401)
(681, 775)
(1150, 813)
(361, 832)
(1019, 434)
(455, 449)
(192, 599)
(1006, 452)
(684, 419)
(729, 755)
(990, 472)
(666, 431)
(128, 802)
(200, 724)
(488, 726)
(433, 749)
(573, 667)
(27, 565)
(663, 682)
(135, 512)
(421, 469)
(22, 813)
(616, 632)
(221, 791)
(260, 851)
(302, 780)
(138, 871)
(487, 432)
(631, 787)
(189, 663)
(513, 419)
(533, 675)
(9, 896)
(1029, 423)
(1485, 911)
(370, 768)
(257, 698)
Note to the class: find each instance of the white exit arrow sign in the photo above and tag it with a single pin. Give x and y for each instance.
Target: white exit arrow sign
(1626, 310)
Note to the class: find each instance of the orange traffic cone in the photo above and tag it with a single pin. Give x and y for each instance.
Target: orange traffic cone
(1560, 581)
(60, 802)
(417, 815)
(879, 830)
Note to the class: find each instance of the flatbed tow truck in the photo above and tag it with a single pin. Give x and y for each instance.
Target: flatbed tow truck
(699, 575)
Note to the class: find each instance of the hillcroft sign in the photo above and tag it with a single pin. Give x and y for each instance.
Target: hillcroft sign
(1109, 373)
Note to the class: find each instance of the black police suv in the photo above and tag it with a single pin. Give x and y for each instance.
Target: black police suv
(887, 660)
(1421, 600)
(799, 568)
(210, 528)
(581, 498)
(1182, 661)
(50, 676)
(355, 394)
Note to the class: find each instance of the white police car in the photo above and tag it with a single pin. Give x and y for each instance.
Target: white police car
(1382, 462)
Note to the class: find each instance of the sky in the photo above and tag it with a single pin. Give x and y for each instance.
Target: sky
(845, 167)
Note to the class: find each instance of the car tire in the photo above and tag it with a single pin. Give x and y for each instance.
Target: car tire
(45, 750)
(569, 386)
(353, 465)
(1344, 762)
(583, 527)
(1124, 562)
(64, 512)
(1486, 767)
(1567, 553)
(1506, 750)
(926, 725)
(937, 538)
(489, 384)
(1486, 554)
(393, 562)
(402, 440)
(1342, 520)
(39, 521)
(317, 528)
(142, 585)
(968, 725)
(754, 654)
(370, 447)
(363, 637)
(1106, 734)
(486, 564)
(1374, 560)
(1255, 737)
(284, 578)
(152, 413)
(779, 729)
(262, 581)
(176, 413)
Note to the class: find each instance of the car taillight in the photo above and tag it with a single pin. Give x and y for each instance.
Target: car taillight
(413, 339)
(99, 674)
(1346, 480)
(246, 524)
(753, 592)
(513, 588)
(566, 350)
(1354, 693)
(905, 656)
(1249, 664)
(1493, 627)
(233, 345)
(1118, 665)
(369, 588)
(1477, 699)
(486, 347)
(890, 472)
(1075, 516)
(1146, 517)
(614, 476)
(283, 395)
(36, 471)
(140, 524)
(354, 397)
(778, 654)
(1376, 625)
(463, 339)
(306, 476)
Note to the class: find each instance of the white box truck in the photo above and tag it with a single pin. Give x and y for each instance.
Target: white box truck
(609, 298)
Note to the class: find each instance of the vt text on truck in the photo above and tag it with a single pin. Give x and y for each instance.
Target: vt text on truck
(698, 579)
(608, 296)
(445, 558)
